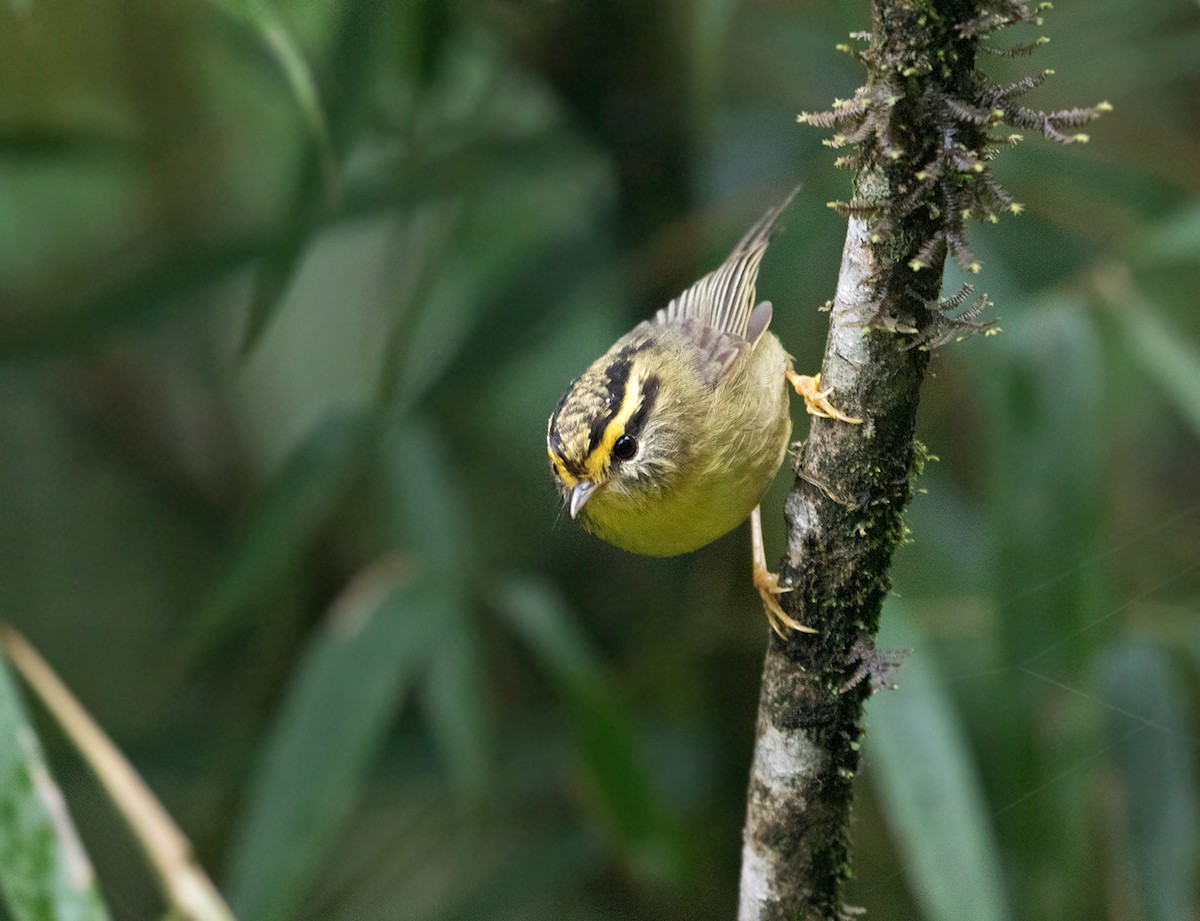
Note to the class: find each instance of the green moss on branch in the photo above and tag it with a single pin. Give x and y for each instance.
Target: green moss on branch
(923, 130)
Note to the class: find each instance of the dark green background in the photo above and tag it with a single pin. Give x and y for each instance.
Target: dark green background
(274, 375)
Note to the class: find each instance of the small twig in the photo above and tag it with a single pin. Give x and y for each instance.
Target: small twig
(185, 886)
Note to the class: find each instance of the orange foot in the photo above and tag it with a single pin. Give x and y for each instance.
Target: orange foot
(769, 590)
(816, 400)
(767, 584)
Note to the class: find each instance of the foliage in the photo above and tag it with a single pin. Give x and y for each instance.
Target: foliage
(285, 299)
(44, 873)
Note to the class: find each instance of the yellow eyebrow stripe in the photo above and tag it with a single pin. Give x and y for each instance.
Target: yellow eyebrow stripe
(563, 473)
(630, 400)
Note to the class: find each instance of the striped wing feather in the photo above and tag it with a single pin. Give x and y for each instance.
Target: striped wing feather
(718, 311)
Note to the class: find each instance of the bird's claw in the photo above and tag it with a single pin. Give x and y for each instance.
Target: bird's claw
(816, 400)
(769, 590)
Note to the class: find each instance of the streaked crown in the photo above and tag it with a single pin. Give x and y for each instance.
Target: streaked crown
(607, 405)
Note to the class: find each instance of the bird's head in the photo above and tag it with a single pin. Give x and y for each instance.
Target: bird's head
(609, 436)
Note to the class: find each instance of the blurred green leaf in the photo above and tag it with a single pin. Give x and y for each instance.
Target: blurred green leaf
(317, 190)
(605, 726)
(1048, 449)
(1166, 356)
(45, 875)
(455, 701)
(36, 145)
(533, 247)
(541, 619)
(345, 692)
(531, 875)
(929, 787)
(160, 287)
(428, 239)
(1044, 381)
(1175, 239)
(426, 502)
(281, 524)
(1155, 754)
(275, 274)
(710, 29)
(262, 16)
(184, 884)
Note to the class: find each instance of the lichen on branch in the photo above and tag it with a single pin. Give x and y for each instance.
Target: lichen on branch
(924, 128)
(928, 120)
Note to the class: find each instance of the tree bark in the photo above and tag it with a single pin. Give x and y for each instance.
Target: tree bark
(922, 126)
(844, 518)
(845, 512)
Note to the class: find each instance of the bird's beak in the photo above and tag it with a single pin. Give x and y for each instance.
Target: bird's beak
(583, 491)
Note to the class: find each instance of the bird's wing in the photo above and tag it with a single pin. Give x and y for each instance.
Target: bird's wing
(724, 298)
(718, 311)
(717, 354)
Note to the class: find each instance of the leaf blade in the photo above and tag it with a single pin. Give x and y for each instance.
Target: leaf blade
(930, 790)
(1155, 758)
(45, 875)
(1165, 356)
(185, 886)
(262, 16)
(604, 726)
(344, 692)
(282, 522)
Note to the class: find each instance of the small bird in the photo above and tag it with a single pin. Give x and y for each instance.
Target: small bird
(670, 439)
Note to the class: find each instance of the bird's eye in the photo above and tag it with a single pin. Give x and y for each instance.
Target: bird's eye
(625, 447)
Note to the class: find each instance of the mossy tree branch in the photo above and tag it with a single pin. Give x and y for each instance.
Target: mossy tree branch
(923, 127)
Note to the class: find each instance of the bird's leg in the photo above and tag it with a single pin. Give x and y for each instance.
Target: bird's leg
(816, 400)
(767, 583)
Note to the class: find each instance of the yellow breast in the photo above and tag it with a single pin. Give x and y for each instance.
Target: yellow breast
(738, 447)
